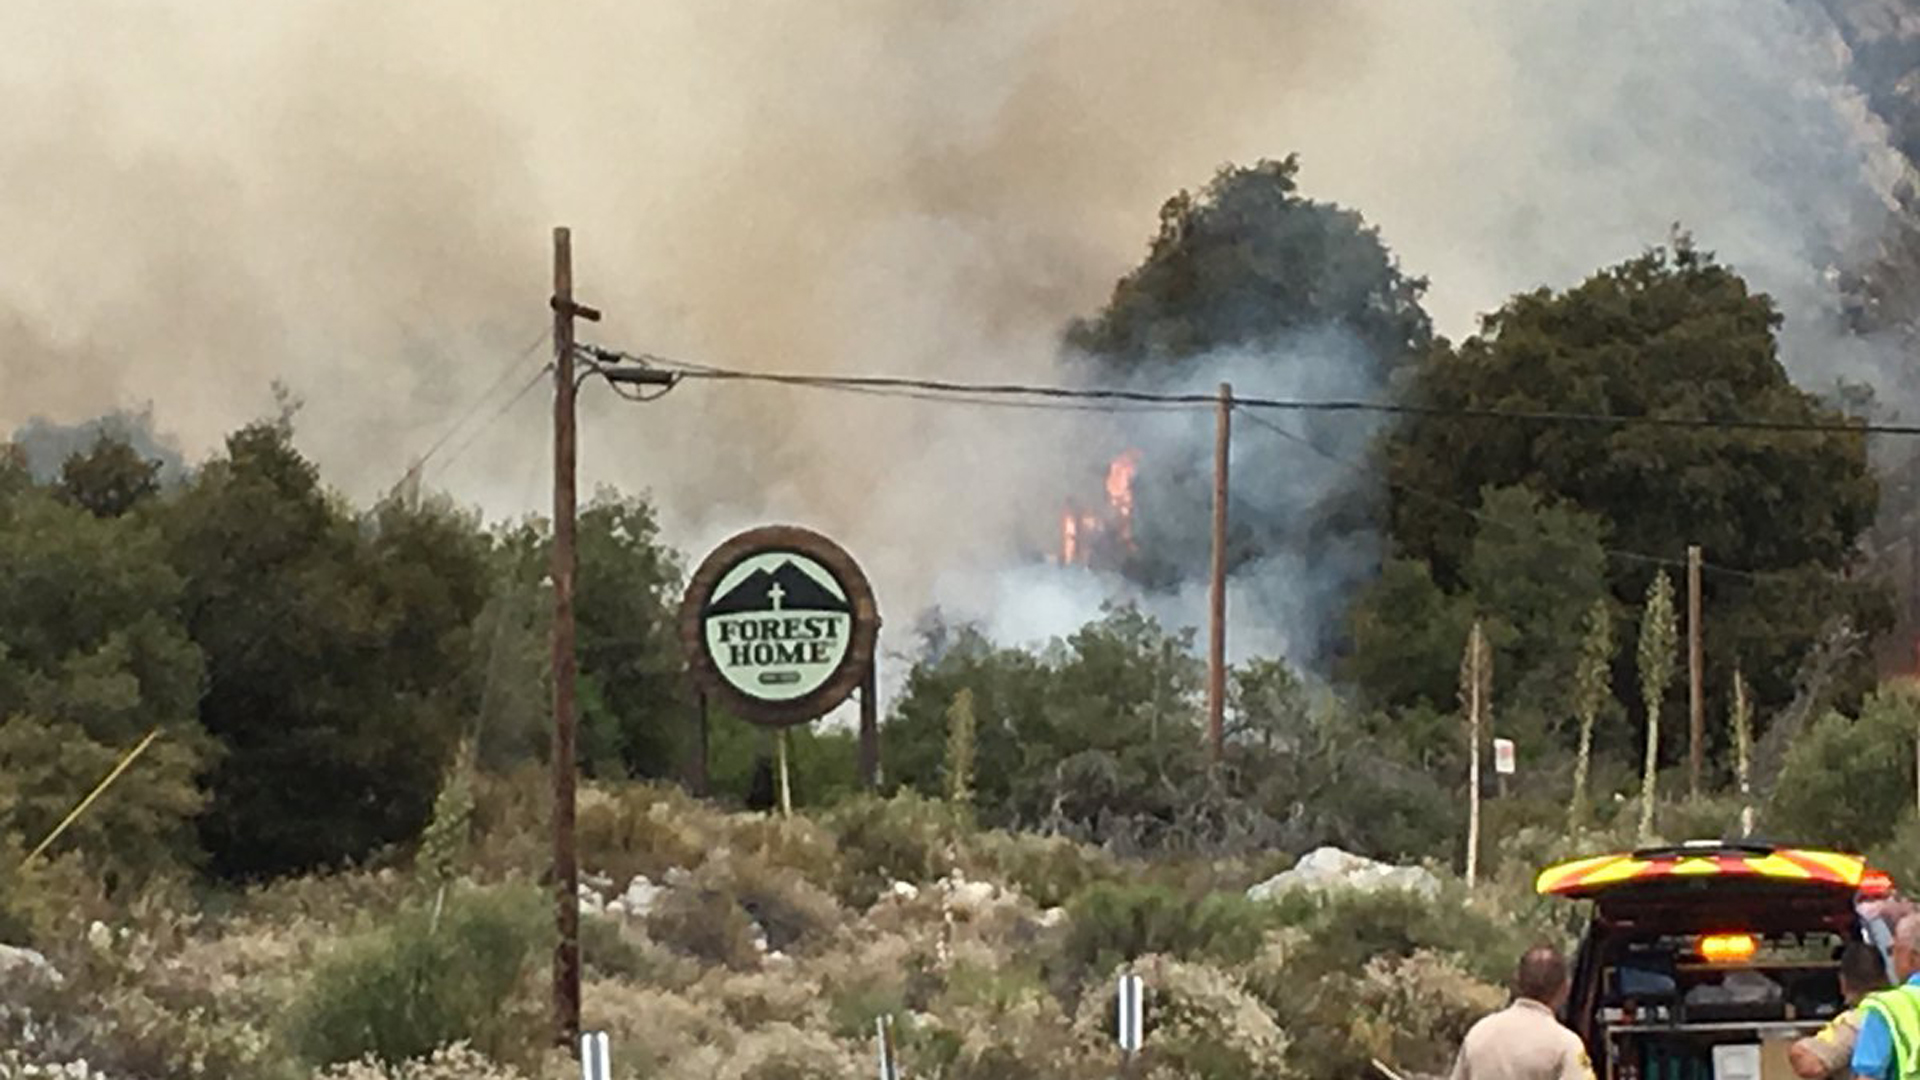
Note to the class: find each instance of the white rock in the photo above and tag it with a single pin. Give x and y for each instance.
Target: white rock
(1052, 917)
(905, 890)
(20, 966)
(616, 909)
(640, 897)
(970, 898)
(1332, 868)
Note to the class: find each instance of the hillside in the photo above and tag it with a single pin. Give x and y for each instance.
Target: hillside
(746, 946)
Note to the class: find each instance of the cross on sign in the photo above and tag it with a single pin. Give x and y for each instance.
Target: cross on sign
(777, 594)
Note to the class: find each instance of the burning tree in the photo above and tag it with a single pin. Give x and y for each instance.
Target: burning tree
(1103, 537)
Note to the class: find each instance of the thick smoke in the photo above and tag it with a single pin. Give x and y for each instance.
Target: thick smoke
(203, 196)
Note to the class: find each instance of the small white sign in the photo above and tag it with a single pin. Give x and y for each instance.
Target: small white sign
(595, 1062)
(1132, 1013)
(1736, 1062)
(1503, 757)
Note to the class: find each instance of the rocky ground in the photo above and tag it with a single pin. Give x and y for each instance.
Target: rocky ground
(732, 946)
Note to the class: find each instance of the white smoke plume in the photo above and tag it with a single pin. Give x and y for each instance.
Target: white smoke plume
(203, 196)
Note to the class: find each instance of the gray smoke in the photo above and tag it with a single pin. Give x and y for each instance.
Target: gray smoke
(48, 445)
(202, 196)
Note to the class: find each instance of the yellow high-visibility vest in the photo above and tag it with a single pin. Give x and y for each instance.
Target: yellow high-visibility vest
(1899, 1008)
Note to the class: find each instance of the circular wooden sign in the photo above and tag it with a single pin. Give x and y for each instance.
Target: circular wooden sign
(779, 625)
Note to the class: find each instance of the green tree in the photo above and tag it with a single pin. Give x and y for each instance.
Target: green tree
(15, 476)
(1658, 635)
(627, 603)
(1533, 568)
(636, 710)
(1668, 334)
(1248, 260)
(1101, 734)
(93, 656)
(1848, 783)
(1301, 294)
(1406, 633)
(1009, 688)
(1268, 704)
(1104, 725)
(822, 761)
(109, 479)
(1304, 770)
(334, 651)
(1123, 723)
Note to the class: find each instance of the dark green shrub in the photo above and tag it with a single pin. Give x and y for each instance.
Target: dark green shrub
(1708, 817)
(1899, 855)
(1342, 930)
(645, 829)
(705, 923)
(1110, 923)
(789, 908)
(904, 838)
(402, 989)
(1048, 870)
(1846, 783)
(609, 951)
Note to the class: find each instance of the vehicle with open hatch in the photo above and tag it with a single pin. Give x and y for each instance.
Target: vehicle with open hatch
(1707, 960)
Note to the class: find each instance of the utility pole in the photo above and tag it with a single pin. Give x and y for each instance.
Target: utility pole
(1217, 614)
(697, 780)
(870, 728)
(1696, 698)
(566, 870)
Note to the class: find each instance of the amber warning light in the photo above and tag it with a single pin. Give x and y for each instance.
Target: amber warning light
(1728, 948)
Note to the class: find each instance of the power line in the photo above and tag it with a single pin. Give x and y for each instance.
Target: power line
(980, 393)
(499, 381)
(1485, 518)
(687, 369)
(419, 464)
(455, 455)
(1097, 399)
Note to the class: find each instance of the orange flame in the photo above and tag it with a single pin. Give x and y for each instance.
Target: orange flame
(1120, 492)
(1078, 530)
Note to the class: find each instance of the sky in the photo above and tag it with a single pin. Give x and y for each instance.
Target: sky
(354, 200)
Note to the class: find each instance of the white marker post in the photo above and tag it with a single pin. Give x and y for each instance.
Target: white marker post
(883, 1040)
(595, 1061)
(1131, 1018)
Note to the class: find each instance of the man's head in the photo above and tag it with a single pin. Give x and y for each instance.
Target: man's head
(1861, 971)
(1906, 948)
(1542, 976)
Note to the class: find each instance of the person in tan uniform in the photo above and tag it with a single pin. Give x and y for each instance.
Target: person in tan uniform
(1525, 1041)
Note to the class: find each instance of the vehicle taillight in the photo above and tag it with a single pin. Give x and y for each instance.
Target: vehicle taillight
(1728, 948)
(1875, 885)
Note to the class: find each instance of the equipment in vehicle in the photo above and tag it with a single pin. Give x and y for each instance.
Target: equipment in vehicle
(1706, 960)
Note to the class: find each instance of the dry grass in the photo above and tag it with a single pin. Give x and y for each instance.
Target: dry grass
(770, 951)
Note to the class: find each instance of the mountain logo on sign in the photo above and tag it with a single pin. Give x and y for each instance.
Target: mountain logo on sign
(785, 588)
